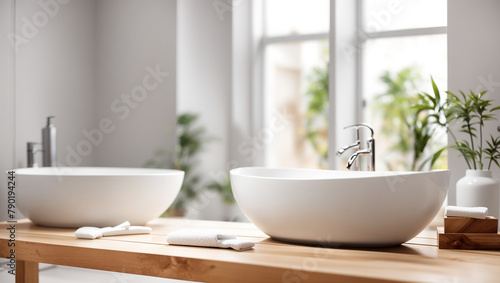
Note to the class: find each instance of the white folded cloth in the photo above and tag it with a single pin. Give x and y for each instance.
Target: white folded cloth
(208, 238)
(479, 212)
(121, 229)
(88, 233)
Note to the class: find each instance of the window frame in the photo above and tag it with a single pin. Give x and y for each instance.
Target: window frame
(364, 36)
(261, 109)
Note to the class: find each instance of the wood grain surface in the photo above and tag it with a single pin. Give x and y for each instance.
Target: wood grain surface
(469, 241)
(418, 260)
(470, 225)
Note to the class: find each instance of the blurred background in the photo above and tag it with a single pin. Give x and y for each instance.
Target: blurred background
(207, 86)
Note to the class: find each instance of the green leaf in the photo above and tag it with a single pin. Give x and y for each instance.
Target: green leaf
(436, 90)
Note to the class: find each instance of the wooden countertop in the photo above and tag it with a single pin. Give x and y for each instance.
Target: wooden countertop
(418, 260)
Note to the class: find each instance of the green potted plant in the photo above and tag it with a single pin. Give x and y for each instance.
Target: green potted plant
(470, 113)
(191, 139)
(223, 188)
(412, 136)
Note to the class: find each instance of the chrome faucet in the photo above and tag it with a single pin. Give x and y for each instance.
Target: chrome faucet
(33, 147)
(369, 151)
(47, 147)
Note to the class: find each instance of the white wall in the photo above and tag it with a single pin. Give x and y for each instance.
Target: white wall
(473, 61)
(7, 133)
(135, 37)
(244, 63)
(77, 64)
(55, 74)
(204, 86)
(73, 60)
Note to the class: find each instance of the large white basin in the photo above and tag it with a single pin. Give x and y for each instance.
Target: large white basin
(339, 208)
(95, 196)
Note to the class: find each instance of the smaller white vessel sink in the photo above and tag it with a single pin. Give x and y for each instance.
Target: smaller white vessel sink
(95, 196)
(339, 208)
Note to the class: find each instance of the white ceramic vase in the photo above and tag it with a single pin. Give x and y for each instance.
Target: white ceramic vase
(479, 188)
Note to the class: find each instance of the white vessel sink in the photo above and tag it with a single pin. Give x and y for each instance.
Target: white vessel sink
(95, 196)
(339, 208)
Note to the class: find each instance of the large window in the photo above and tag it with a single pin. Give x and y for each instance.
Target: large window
(404, 45)
(401, 45)
(295, 46)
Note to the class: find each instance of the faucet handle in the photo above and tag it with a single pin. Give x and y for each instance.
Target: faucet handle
(359, 125)
(368, 151)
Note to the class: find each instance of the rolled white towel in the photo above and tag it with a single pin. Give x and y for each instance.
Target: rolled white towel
(479, 212)
(88, 233)
(132, 230)
(121, 229)
(208, 238)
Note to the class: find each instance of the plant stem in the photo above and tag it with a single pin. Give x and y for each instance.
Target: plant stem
(481, 125)
(472, 144)
(413, 165)
(461, 151)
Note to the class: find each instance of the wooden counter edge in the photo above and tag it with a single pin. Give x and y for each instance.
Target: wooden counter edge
(173, 267)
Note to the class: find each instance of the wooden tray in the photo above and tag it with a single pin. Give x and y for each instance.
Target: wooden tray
(468, 241)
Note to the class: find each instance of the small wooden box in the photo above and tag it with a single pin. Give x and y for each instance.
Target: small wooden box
(468, 241)
(470, 225)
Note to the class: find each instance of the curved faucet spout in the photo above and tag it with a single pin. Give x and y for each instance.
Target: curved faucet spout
(355, 155)
(370, 150)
